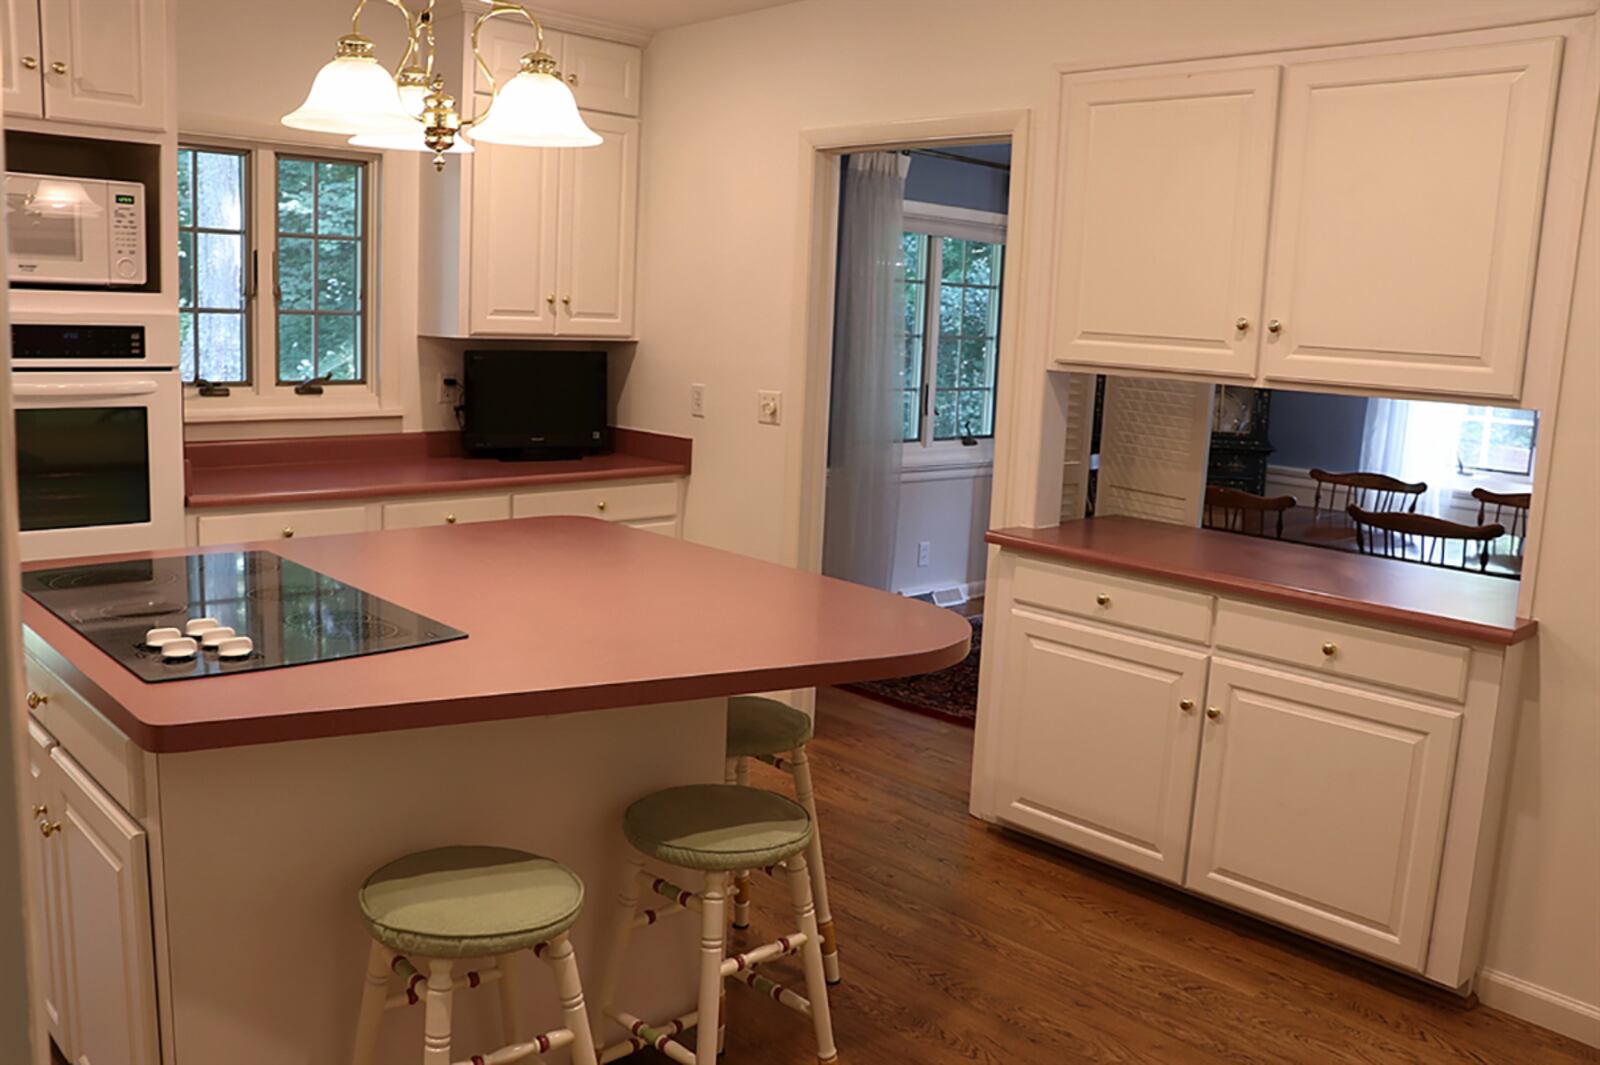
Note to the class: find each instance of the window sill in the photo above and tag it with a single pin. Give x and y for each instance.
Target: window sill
(948, 458)
(196, 414)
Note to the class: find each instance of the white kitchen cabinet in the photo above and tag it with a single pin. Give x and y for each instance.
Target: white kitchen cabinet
(276, 524)
(596, 231)
(88, 61)
(1101, 739)
(1164, 197)
(1406, 219)
(103, 893)
(47, 920)
(443, 510)
(624, 501)
(22, 80)
(511, 287)
(1323, 807)
(604, 75)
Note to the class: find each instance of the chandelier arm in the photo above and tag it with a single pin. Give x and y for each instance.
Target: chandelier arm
(497, 8)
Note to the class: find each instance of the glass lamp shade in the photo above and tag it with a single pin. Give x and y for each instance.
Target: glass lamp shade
(407, 142)
(353, 95)
(535, 110)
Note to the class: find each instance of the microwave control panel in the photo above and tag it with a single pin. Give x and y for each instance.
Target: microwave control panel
(127, 233)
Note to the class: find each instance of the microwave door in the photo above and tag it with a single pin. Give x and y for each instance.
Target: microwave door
(56, 229)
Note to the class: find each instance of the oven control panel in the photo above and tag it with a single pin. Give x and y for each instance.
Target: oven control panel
(86, 342)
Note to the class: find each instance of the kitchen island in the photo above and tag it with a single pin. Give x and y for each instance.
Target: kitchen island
(214, 830)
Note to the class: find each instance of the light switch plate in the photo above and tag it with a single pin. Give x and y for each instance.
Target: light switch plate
(697, 401)
(769, 408)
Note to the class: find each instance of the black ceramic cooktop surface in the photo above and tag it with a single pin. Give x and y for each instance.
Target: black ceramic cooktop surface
(293, 614)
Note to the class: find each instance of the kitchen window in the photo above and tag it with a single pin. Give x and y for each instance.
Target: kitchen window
(953, 267)
(276, 286)
(1498, 440)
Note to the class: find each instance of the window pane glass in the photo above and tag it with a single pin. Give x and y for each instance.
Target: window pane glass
(221, 347)
(944, 415)
(338, 198)
(296, 273)
(975, 319)
(336, 347)
(185, 268)
(221, 176)
(944, 374)
(974, 363)
(296, 347)
(950, 311)
(972, 409)
(950, 268)
(338, 275)
(296, 195)
(220, 261)
(980, 264)
(909, 415)
(186, 367)
(969, 318)
(185, 188)
(212, 245)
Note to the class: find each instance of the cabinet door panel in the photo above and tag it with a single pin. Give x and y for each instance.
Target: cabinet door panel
(23, 88)
(1405, 237)
(513, 286)
(1324, 808)
(1100, 752)
(47, 920)
(599, 210)
(114, 57)
(1164, 203)
(110, 937)
(504, 42)
(604, 75)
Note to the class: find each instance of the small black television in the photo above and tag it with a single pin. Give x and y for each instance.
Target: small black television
(534, 404)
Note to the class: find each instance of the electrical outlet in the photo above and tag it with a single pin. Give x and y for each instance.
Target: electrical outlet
(924, 552)
(769, 408)
(449, 389)
(697, 401)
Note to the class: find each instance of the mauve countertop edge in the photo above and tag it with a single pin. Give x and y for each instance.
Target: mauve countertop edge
(251, 473)
(1387, 591)
(564, 615)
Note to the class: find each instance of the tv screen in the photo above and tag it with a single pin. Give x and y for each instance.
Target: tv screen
(535, 404)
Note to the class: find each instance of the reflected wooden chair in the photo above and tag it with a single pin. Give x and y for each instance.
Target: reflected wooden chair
(1423, 538)
(1238, 511)
(1510, 510)
(1369, 491)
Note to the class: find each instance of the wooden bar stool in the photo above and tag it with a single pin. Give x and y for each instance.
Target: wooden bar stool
(777, 733)
(429, 910)
(717, 830)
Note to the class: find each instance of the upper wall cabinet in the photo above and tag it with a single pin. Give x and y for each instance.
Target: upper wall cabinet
(87, 61)
(1164, 214)
(1406, 232)
(1375, 218)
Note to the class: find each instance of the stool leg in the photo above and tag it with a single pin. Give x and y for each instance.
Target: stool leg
(627, 906)
(511, 999)
(570, 988)
(372, 995)
(436, 1025)
(811, 955)
(819, 877)
(713, 928)
(741, 881)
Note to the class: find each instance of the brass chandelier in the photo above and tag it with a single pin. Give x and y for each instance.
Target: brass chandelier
(409, 110)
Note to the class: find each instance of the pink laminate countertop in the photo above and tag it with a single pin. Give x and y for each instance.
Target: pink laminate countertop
(1387, 591)
(248, 473)
(562, 615)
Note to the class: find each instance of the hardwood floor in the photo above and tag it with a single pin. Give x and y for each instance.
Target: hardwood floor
(964, 943)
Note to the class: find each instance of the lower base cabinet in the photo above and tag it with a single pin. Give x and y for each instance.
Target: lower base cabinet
(1102, 740)
(1323, 807)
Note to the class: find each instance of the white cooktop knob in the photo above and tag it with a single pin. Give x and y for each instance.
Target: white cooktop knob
(212, 637)
(235, 647)
(179, 649)
(156, 637)
(197, 626)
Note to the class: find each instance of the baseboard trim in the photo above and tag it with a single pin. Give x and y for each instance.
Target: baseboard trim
(1539, 1005)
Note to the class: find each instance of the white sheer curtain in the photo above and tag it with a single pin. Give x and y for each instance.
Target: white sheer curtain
(1415, 441)
(865, 433)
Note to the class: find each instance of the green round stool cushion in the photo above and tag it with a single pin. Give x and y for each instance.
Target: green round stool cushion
(758, 726)
(717, 827)
(467, 902)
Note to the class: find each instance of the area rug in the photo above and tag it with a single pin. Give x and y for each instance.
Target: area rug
(950, 694)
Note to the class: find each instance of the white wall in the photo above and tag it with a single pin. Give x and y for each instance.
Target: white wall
(949, 510)
(722, 303)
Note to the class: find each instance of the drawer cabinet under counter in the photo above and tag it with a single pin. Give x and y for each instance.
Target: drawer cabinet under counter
(1332, 774)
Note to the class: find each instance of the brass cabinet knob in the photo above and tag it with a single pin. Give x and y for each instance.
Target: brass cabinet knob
(288, 532)
(449, 519)
(1213, 713)
(572, 79)
(1330, 649)
(600, 505)
(49, 828)
(30, 62)
(567, 300)
(1103, 599)
(59, 68)
(1242, 325)
(36, 699)
(551, 299)
(1274, 327)
(40, 809)
(1186, 705)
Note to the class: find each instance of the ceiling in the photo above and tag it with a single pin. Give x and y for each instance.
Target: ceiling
(651, 15)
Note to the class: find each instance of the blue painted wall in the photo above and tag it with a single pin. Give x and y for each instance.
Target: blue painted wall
(1314, 429)
(953, 184)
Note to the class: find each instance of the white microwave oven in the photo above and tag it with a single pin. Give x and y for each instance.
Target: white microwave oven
(75, 231)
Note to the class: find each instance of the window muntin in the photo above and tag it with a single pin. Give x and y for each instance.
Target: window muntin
(321, 269)
(952, 324)
(213, 252)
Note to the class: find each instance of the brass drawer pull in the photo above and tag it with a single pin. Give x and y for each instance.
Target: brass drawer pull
(449, 519)
(1330, 649)
(600, 505)
(288, 532)
(1103, 599)
(49, 828)
(36, 700)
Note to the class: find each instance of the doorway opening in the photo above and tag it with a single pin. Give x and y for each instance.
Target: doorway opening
(912, 401)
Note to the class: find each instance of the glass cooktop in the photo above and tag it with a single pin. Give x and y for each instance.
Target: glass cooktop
(293, 615)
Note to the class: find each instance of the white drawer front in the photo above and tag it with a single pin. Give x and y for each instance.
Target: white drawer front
(621, 501)
(1116, 600)
(664, 526)
(280, 524)
(461, 510)
(1345, 650)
